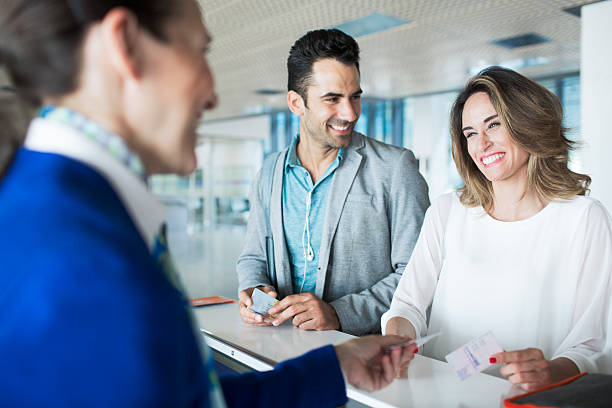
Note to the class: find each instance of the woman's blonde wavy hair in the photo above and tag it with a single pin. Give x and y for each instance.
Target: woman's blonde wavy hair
(533, 116)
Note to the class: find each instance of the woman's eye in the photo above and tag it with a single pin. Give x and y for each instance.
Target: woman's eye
(494, 124)
(467, 135)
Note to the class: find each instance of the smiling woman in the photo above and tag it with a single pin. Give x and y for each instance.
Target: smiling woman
(518, 250)
(529, 118)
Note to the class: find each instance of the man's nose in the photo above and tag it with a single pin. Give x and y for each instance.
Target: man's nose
(347, 111)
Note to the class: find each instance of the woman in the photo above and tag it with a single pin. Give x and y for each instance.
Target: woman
(518, 250)
(87, 316)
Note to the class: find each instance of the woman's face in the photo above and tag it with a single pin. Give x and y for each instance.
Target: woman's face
(489, 143)
(176, 88)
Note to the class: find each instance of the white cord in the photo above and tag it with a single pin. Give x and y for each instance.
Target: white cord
(310, 255)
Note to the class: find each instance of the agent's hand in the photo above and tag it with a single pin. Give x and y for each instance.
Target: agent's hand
(245, 302)
(308, 312)
(367, 364)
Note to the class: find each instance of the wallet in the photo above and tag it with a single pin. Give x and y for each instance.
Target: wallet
(581, 391)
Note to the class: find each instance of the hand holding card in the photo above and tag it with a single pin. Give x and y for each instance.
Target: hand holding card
(262, 302)
(417, 342)
(473, 357)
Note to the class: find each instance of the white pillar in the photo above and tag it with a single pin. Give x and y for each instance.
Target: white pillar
(596, 98)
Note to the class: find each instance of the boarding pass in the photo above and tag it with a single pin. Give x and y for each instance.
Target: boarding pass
(473, 357)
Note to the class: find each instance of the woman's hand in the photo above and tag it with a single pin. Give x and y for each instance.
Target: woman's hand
(402, 327)
(530, 370)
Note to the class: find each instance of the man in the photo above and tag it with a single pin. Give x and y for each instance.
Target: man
(345, 211)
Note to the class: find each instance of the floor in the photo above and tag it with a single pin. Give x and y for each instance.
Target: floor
(205, 257)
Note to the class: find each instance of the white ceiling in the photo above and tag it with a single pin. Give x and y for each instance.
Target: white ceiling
(445, 38)
(432, 53)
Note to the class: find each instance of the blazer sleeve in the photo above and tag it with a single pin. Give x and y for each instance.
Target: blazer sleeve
(311, 380)
(251, 266)
(407, 201)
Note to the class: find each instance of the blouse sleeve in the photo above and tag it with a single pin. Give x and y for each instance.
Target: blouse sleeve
(587, 344)
(416, 288)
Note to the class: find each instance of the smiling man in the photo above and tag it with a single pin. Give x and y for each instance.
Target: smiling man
(335, 216)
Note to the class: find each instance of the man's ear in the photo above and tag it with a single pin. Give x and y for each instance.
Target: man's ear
(120, 33)
(296, 103)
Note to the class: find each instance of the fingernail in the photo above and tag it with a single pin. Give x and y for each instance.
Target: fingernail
(492, 360)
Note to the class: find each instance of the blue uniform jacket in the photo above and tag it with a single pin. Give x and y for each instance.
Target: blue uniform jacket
(87, 319)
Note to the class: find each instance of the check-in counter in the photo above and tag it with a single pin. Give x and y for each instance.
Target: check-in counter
(430, 383)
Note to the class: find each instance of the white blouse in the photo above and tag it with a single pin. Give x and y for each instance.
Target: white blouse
(542, 282)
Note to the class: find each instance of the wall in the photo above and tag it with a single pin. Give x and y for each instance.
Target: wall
(596, 98)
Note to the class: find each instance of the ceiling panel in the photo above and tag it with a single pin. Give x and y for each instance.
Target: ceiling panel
(434, 52)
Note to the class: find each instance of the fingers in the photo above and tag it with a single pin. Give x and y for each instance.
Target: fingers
(533, 378)
(517, 356)
(270, 290)
(247, 316)
(250, 317)
(388, 371)
(401, 358)
(527, 368)
(244, 297)
(305, 320)
(289, 301)
(287, 313)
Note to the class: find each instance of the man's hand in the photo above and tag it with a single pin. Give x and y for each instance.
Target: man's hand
(367, 364)
(245, 302)
(308, 312)
(530, 370)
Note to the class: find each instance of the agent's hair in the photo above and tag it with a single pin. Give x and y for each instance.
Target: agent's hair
(14, 118)
(316, 45)
(41, 40)
(533, 116)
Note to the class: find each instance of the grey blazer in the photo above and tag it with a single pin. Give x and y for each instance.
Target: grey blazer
(375, 209)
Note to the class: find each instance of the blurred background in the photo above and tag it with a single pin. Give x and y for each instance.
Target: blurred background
(415, 56)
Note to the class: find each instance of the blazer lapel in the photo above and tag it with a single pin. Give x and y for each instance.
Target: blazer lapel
(281, 256)
(343, 180)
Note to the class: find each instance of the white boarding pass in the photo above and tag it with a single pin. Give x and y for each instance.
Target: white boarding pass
(473, 357)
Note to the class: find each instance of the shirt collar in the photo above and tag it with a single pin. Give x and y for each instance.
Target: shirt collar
(293, 160)
(51, 136)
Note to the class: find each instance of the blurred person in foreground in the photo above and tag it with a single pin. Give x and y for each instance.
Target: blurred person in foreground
(89, 317)
(519, 249)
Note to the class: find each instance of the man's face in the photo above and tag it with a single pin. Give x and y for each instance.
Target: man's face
(333, 104)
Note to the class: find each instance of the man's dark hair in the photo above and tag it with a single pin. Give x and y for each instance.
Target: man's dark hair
(40, 40)
(316, 45)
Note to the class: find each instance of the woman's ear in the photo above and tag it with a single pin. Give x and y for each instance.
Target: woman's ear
(120, 34)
